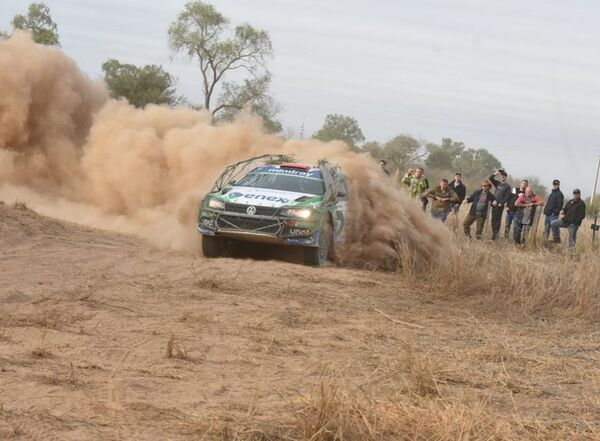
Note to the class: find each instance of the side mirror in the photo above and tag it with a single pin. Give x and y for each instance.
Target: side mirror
(232, 182)
(340, 194)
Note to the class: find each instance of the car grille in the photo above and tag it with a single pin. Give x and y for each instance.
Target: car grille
(241, 208)
(258, 225)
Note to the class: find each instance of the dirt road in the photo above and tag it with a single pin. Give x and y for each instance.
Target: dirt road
(103, 336)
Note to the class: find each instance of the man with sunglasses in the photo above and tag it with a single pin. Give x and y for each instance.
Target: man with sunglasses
(480, 202)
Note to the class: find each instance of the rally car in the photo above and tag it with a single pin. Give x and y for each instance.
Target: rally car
(270, 199)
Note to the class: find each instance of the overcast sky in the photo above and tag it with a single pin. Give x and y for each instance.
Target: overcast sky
(521, 79)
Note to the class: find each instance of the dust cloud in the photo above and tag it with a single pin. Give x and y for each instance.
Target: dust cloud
(72, 153)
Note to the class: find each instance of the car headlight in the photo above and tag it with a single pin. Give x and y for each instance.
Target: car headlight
(216, 204)
(302, 213)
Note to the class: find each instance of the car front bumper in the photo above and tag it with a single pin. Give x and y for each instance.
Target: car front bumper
(269, 229)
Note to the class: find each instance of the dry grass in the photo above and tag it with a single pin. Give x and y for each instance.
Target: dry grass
(18, 205)
(176, 350)
(331, 413)
(535, 279)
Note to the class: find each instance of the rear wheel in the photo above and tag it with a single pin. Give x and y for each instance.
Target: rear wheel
(322, 254)
(212, 246)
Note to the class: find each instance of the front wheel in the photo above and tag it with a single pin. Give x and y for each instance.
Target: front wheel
(212, 246)
(322, 254)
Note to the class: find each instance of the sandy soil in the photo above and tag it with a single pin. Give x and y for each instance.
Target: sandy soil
(103, 336)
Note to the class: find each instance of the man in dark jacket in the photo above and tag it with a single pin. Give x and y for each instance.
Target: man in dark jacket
(383, 165)
(502, 197)
(554, 204)
(459, 188)
(512, 212)
(572, 215)
(480, 202)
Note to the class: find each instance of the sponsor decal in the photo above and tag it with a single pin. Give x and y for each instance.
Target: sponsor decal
(299, 232)
(258, 197)
(286, 171)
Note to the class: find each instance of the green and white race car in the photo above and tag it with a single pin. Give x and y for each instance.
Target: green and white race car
(269, 199)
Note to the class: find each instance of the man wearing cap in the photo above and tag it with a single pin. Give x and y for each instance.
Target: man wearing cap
(572, 215)
(459, 188)
(502, 196)
(554, 204)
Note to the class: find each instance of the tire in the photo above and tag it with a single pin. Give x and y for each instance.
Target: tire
(322, 254)
(212, 246)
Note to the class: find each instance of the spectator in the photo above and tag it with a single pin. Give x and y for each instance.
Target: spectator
(480, 202)
(512, 212)
(572, 215)
(552, 210)
(527, 203)
(502, 197)
(383, 164)
(442, 199)
(416, 184)
(459, 188)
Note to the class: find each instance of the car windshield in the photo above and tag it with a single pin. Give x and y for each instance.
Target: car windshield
(299, 184)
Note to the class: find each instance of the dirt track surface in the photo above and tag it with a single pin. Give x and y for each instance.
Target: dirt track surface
(87, 319)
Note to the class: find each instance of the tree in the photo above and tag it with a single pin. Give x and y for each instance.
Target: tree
(251, 94)
(402, 150)
(341, 127)
(39, 22)
(202, 33)
(443, 156)
(477, 163)
(140, 86)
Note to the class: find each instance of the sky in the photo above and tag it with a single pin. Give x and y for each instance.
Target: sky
(518, 78)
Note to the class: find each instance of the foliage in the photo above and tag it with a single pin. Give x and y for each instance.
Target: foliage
(443, 156)
(150, 84)
(476, 163)
(341, 127)
(253, 94)
(399, 151)
(203, 33)
(39, 22)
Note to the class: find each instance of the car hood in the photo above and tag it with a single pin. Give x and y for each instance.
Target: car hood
(265, 197)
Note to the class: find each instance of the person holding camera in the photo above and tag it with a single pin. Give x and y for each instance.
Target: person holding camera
(416, 185)
(502, 196)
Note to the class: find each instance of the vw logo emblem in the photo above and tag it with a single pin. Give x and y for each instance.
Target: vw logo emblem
(251, 210)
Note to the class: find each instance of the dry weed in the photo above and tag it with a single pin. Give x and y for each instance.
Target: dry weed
(175, 350)
(19, 205)
(42, 351)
